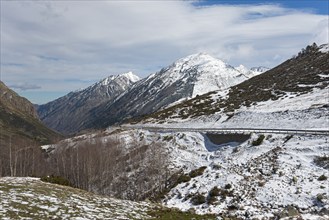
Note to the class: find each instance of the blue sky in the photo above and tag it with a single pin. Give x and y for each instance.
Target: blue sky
(49, 48)
(317, 6)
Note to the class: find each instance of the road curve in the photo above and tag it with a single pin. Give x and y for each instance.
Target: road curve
(233, 130)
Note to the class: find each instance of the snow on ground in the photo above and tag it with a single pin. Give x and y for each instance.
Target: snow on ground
(305, 111)
(264, 179)
(30, 198)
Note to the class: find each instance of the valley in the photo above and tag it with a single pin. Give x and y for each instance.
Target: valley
(199, 139)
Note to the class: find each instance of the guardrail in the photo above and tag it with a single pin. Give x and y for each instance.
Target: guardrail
(234, 130)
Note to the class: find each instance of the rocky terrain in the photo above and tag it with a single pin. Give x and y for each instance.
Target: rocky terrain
(69, 113)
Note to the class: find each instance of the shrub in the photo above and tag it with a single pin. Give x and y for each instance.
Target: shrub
(212, 197)
(235, 150)
(322, 161)
(56, 180)
(216, 166)
(261, 183)
(322, 177)
(259, 140)
(198, 199)
(214, 192)
(212, 200)
(320, 197)
(167, 138)
(183, 179)
(197, 172)
(294, 179)
(228, 186)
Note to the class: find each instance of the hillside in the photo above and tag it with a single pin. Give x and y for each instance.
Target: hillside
(30, 198)
(270, 176)
(19, 118)
(235, 176)
(19, 129)
(300, 84)
(69, 113)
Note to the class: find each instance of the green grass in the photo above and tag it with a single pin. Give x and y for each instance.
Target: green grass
(173, 214)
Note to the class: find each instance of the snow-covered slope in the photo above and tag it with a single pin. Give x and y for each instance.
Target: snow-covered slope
(281, 176)
(247, 181)
(254, 71)
(186, 78)
(68, 113)
(291, 95)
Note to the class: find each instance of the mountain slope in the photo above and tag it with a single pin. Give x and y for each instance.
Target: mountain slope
(19, 118)
(306, 73)
(35, 199)
(231, 178)
(186, 78)
(68, 113)
(30, 198)
(21, 132)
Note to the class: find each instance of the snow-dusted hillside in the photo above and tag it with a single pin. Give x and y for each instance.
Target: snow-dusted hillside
(307, 111)
(68, 113)
(253, 181)
(291, 95)
(280, 176)
(30, 198)
(283, 175)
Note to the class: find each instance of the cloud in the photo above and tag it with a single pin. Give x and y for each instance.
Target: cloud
(57, 41)
(25, 86)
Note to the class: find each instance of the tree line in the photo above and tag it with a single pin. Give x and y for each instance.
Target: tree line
(102, 165)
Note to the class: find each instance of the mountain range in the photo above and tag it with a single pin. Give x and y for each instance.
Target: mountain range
(70, 112)
(125, 96)
(254, 175)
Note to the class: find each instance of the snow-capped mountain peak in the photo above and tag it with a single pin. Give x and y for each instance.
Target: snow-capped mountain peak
(243, 69)
(324, 48)
(254, 71)
(260, 69)
(198, 60)
(68, 112)
(106, 81)
(128, 77)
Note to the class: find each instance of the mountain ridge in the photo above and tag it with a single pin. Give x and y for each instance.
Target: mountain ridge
(302, 74)
(67, 112)
(185, 78)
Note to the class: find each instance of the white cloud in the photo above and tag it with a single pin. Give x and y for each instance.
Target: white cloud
(25, 86)
(65, 45)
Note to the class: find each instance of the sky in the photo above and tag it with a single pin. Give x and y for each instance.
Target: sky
(49, 48)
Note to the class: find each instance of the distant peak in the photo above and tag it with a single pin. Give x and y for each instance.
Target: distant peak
(324, 48)
(199, 55)
(130, 75)
(241, 67)
(107, 80)
(199, 59)
(260, 68)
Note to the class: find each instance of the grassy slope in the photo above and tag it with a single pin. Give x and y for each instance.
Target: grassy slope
(18, 120)
(31, 198)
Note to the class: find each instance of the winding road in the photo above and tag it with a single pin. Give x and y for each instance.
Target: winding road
(233, 130)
